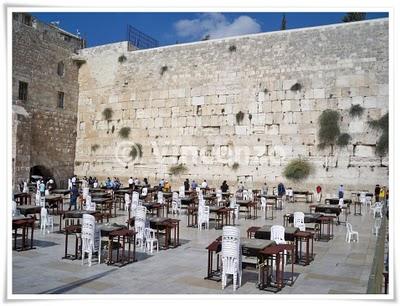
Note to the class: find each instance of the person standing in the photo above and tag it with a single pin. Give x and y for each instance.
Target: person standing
(341, 191)
(382, 195)
(42, 188)
(377, 191)
(193, 185)
(130, 183)
(224, 187)
(264, 189)
(204, 184)
(187, 185)
(319, 193)
(281, 190)
(74, 196)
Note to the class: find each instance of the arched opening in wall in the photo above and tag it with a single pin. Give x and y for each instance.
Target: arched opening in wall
(38, 172)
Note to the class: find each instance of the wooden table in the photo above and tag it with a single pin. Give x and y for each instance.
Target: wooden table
(162, 224)
(264, 232)
(305, 194)
(192, 212)
(308, 218)
(214, 248)
(61, 191)
(122, 238)
(68, 230)
(251, 231)
(106, 204)
(23, 223)
(224, 213)
(22, 198)
(249, 206)
(29, 209)
(154, 206)
(357, 212)
(326, 228)
(268, 256)
(308, 256)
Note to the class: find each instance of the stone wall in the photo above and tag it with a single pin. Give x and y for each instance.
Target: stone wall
(43, 133)
(181, 103)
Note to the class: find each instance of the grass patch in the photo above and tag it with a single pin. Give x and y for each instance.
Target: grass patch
(296, 87)
(124, 132)
(107, 113)
(122, 58)
(178, 169)
(381, 125)
(343, 140)
(328, 128)
(95, 147)
(232, 48)
(163, 70)
(356, 110)
(297, 169)
(235, 166)
(78, 163)
(136, 151)
(239, 117)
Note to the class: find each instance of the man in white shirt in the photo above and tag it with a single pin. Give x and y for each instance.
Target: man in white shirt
(130, 182)
(204, 184)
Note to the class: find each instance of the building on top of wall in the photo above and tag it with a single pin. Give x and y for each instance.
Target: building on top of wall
(44, 99)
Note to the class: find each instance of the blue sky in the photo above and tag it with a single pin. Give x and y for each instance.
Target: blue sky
(169, 28)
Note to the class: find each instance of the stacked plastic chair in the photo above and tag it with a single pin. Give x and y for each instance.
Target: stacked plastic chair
(90, 238)
(203, 216)
(144, 192)
(298, 220)
(160, 197)
(140, 225)
(85, 192)
(127, 200)
(90, 206)
(231, 256)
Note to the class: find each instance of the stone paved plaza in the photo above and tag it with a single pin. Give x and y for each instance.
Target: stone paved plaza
(338, 267)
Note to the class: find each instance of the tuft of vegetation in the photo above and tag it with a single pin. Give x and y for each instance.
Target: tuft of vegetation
(77, 163)
(297, 169)
(95, 147)
(356, 110)
(239, 117)
(232, 48)
(250, 117)
(207, 37)
(107, 113)
(328, 128)
(235, 166)
(178, 169)
(124, 132)
(350, 17)
(343, 140)
(163, 70)
(382, 125)
(265, 90)
(136, 151)
(283, 22)
(296, 87)
(122, 58)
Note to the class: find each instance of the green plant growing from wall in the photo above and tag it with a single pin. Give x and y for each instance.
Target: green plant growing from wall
(232, 48)
(107, 113)
(381, 125)
(239, 117)
(356, 110)
(343, 140)
(350, 17)
(235, 166)
(94, 147)
(124, 132)
(296, 87)
(297, 169)
(77, 163)
(122, 58)
(163, 70)
(177, 169)
(136, 151)
(328, 128)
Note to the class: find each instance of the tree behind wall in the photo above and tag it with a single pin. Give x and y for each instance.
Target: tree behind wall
(350, 17)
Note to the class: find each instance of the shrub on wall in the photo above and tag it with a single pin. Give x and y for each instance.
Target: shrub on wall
(232, 48)
(235, 166)
(297, 169)
(163, 69)
(328, 128)
(122, 58)
(136, 151)
(343, 140)
(296, 87)
(239, 117)
(382, 125)
(95, 147)
(107, 113)
(124, 132)
(356, 110)
(178, 169)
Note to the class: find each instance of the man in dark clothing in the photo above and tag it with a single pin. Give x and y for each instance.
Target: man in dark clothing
(377, 191)
(187, 185)
(281, 190)
(224, 187)
(74, 196)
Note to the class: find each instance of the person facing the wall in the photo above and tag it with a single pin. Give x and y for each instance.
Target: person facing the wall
(42, 188)
(167, 187)
(193, 185)
(264, 189)
(319, 193)
(377, 191)
(187, 185)
(74, 196)
(341, 191)
(130, 183)
(224, 187)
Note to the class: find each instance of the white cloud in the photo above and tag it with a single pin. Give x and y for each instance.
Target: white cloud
(216, 26)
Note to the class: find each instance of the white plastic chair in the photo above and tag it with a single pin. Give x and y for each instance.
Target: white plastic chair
(363, 198)
(69, 184)
(263, 204)
(298, 220)
(90, 206)
(175, 196)
(231, 256)
(350, 233)
(377, 209)
(37, 198)
(203, 217)
(245, 195)
(90, 238)
(176, 207)
(42, 201)
(46, 220)
(218, 195)
(25, 189)
(15, 211)
(135, 196)
(160, 197)
(127, 201)
(85, 192)
(181, 191)
(150, 239)
(144, 192)
(377, 226)
(46, 192)
(278, 234)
